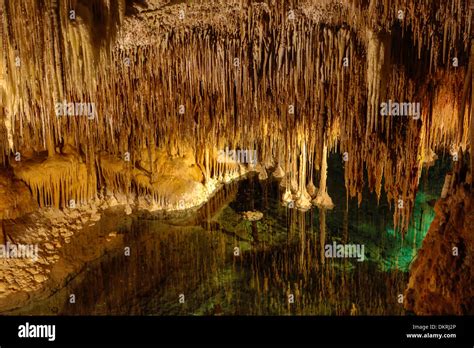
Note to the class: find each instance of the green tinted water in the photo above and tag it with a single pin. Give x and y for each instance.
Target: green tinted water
(213, 262)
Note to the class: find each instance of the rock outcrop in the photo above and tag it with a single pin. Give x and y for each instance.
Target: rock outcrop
(442, 275)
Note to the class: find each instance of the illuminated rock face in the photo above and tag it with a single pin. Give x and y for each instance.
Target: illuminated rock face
(290, 81)
(442, 276)
(15, 199)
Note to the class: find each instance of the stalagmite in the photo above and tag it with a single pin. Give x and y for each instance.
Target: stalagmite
(262, 172)
(311, 189)
(278, 172)
(322, 199)
(429, 158)
(303, 200)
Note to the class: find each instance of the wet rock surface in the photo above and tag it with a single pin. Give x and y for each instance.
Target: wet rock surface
(442, 275)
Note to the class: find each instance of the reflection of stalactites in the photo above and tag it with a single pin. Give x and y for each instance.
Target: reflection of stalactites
(302, 237)
(322, 233)
(345, 235)
(291, 223)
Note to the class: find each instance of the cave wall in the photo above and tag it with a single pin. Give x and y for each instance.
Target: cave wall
(442, 275)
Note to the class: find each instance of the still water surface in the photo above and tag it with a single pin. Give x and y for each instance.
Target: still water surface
(188, 265)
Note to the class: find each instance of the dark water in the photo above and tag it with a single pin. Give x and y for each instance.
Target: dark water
(187, 265)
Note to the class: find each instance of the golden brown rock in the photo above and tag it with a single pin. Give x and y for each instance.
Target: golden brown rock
(442, 276)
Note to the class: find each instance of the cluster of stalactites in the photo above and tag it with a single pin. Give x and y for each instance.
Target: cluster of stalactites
(51, 52)
(286, 88)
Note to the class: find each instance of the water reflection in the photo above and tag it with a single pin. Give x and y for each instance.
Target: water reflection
(214, 262)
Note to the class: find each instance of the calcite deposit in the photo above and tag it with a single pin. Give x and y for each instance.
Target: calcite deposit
(160, 88)
(293, 81)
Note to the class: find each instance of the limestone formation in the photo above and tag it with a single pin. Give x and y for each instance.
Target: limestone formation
(283, 79)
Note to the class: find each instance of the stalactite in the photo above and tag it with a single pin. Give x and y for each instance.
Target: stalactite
(303, 200)
(60, 181)
(293, 90)
(378, 61)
